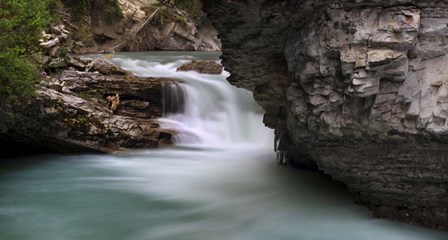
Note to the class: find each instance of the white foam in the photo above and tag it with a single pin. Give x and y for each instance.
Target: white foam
(215, 113)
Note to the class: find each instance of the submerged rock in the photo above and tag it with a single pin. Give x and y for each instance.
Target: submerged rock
(206, 67)
(357, 87)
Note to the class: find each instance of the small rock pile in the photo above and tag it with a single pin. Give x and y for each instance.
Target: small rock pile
(55, 43)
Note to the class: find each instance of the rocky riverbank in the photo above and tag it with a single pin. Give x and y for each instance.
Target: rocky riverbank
(95, 105)
(91, 106)
(356, 89)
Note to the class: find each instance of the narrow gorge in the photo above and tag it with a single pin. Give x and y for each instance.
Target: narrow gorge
(356, 89)
(224, 119)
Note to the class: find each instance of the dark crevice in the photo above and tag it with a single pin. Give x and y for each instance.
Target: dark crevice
(10, 147)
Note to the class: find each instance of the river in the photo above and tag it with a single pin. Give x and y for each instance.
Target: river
(220, 182)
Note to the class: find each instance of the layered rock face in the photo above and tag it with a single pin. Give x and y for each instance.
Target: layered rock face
(104, 109)
(357, 88)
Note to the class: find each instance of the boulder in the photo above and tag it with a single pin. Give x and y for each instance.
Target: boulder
(106, 67)
(206, 67)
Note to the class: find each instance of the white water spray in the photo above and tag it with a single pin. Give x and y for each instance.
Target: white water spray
(211, 112)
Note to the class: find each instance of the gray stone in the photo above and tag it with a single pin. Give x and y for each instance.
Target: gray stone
(364, 92)
(51, 43)
(75, 116)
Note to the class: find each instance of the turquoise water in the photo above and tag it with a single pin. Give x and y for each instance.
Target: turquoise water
(182, 193)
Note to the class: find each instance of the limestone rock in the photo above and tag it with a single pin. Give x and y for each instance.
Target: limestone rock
(206, 67)
(166, 28)
(51, 43)
(72, 113)
(56, 87)
(106, 67)
(358, 87)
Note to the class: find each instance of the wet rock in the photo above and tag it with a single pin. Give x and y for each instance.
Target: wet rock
(106, 67)
(206, 67)
(359, 86)
(73, 114)
(78, 63)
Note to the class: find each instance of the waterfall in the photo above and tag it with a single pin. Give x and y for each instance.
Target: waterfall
(204, 109)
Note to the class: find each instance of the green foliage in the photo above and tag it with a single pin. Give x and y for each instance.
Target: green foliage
(182, 20)
(163, 16)
(109, 10)
(167, 13)
(17, 75)
(78, 8)
(21, 24)
(192, 7)
(112, 11)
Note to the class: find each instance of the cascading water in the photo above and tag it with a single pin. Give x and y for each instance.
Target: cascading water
(205, 110)
(226, 187)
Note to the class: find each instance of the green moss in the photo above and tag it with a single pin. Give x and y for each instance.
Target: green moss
(192, 7)
(85, 35)
(97, 122)
(182, 20)
(84, 95)
(80, 121)
(165, 15)
(122, 135)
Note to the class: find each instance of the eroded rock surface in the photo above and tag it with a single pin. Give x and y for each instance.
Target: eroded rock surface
(206, 67)
(70, 111)
(358, 88)
(176, 32)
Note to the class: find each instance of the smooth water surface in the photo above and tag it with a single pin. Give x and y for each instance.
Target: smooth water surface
(221, 182)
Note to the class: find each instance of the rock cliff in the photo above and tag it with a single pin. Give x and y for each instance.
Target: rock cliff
(166, 28)
(358, 89)
(139, 25)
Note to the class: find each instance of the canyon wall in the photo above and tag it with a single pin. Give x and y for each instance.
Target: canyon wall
(358, 89)
(139, 25)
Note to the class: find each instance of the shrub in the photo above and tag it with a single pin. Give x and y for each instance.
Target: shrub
(108, 10)
(21, 24)
(193, 7)
(17, 75)
(78, 8)
(112, 11)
